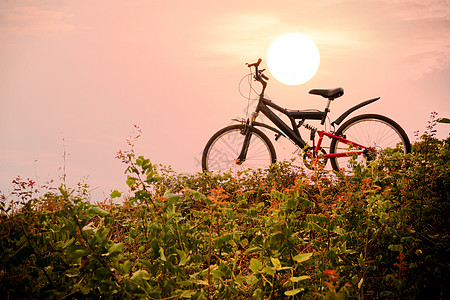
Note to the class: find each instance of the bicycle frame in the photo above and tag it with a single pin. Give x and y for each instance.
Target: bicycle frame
(322, 133)
(294, 134)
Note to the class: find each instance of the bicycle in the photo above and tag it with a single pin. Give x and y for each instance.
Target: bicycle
(361, 138)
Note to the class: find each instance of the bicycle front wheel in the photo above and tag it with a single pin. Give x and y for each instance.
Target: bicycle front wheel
(368, 130)
(223, 149)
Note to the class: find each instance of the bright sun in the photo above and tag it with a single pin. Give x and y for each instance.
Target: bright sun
(293, 58)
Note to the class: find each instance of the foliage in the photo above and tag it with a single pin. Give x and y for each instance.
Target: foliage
(380, 232)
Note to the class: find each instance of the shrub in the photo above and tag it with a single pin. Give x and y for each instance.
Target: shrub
(380, 232)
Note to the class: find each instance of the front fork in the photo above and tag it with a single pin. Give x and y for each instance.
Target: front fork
(247, 132)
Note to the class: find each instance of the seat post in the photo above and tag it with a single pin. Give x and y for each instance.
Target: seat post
(326, 111)
(329, 103)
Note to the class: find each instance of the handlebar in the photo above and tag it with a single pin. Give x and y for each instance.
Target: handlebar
(256, 64)
(259, 76)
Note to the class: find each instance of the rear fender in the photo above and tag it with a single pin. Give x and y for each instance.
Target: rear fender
(358, 106)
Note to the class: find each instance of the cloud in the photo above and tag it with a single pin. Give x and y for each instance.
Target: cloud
(249, 35)
(32, 20)
(421, 30)
(411, 38)
(409, 10)
(236, 34)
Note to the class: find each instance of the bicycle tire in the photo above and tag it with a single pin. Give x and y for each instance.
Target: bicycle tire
(370, 130)
(223, 148)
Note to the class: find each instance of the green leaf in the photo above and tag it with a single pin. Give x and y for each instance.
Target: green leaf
(361, 261)
(255, 265)
(294, 292)
(161, 254)
(307, 203)
(316, 227)
(147, 263)
(101, 234)
(146, 164)
(67, 243)
(95, 210)
(203, 295)
(251, 279)
(197, 281)
(139, 276)
(275, 262)
(21, 241)
(63, 192)
(170, 209)
(218, 274)
(183, 257)
(188, 294)
(299, 278)
(115, 194)
(115, 249)
(291, 203)
(131, 181)
(396, 247)
(269, 270)
(125, 267)
(85, 289)
(139, 161)
(258, 294)
(260, 206)
(170, 196)
(317, 218)
(302, 257)
(77, 251)
(253, 250)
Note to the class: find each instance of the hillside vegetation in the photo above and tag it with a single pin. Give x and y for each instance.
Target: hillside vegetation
(381, 232)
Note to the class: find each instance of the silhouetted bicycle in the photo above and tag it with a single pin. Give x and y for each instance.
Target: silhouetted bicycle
(243, 146)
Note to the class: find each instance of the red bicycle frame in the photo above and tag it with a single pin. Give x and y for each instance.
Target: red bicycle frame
(322, 133)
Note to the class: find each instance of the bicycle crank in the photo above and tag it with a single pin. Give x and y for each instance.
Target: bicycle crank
(311, 161)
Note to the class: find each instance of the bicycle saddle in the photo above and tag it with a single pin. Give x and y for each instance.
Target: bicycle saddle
(330, 94)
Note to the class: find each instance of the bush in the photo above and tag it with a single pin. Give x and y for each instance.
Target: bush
(380, 232)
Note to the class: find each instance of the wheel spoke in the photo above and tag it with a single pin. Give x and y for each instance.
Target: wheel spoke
(370, 131)
(224, 148)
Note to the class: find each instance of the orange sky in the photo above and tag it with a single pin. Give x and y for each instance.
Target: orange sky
(79, 74)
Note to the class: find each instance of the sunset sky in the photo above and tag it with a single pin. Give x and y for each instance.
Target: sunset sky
(78, 75)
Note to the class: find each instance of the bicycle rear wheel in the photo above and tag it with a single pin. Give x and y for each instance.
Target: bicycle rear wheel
(222, 150)
(368, 130)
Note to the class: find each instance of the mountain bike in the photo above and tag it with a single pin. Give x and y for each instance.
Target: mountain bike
(360, 139)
